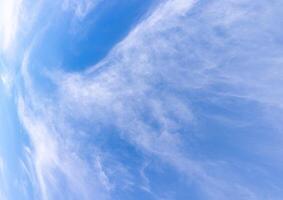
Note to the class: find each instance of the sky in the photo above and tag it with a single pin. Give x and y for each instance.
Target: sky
(141, 100)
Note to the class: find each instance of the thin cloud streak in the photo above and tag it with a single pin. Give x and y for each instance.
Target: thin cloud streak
(9, 21)
(3, 186)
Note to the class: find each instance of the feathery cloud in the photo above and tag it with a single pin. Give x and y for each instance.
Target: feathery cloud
(150, 90)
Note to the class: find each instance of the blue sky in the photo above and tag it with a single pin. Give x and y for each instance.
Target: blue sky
(130, 99)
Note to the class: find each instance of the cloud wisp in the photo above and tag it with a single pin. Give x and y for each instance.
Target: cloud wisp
(3, 186)
(9, 21)
(150, 91)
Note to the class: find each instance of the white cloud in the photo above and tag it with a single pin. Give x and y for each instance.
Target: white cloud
(3, 186)
(108, 91)
(81, 8)
(54, 160)
(142, 88)
(10, 13)
(6, 80)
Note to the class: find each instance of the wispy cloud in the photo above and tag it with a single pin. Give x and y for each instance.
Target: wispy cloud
(6, 80)
(55, 162)
(3, 187)
(9, 21)
(80, 8)
(149, 90)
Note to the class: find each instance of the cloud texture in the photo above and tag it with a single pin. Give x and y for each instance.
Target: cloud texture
(189, 99)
